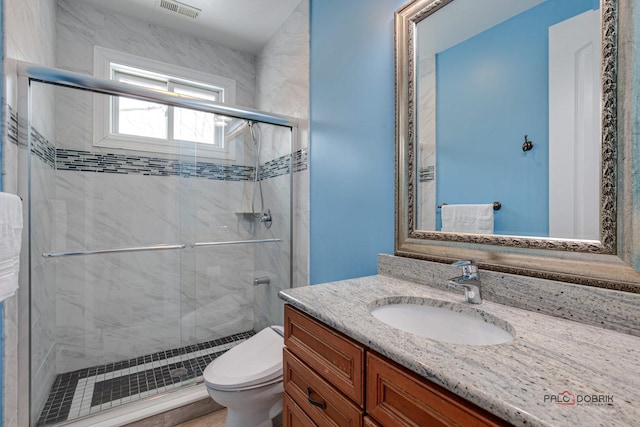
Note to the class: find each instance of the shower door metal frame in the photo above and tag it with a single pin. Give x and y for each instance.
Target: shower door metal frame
(28, 73)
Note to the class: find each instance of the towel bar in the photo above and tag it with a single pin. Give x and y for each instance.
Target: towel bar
(496, 206)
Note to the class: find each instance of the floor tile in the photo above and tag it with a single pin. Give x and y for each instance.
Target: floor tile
(87, 391)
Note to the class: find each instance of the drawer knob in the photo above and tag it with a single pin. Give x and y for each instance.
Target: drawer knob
(320, 405)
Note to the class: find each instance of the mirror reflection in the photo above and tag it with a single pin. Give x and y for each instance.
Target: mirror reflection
(509, 111)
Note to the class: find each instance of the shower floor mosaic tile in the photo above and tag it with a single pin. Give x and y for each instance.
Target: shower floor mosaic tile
(87, 391)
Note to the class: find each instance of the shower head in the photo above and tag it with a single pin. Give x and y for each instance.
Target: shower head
(251, 125)
(236, 129)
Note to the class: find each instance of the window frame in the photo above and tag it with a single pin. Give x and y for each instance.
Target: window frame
(103, 120)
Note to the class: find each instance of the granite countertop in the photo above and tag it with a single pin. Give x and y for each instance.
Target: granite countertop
(548, 355)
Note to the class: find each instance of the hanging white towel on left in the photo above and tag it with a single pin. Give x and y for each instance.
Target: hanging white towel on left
(10, 240)
(467, 218)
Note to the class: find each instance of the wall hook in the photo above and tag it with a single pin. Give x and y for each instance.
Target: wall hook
(528, 145)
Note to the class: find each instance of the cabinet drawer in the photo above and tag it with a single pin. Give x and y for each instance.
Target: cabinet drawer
(318, 399)
(396, 396)
(292, 415)
(335, 357)
(370, 422)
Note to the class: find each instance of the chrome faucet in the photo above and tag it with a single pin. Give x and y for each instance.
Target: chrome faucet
(469, 281)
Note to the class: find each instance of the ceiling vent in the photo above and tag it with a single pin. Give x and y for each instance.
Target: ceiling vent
(177, 7)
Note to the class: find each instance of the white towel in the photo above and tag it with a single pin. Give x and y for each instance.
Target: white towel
(10, 240)
(467, 218)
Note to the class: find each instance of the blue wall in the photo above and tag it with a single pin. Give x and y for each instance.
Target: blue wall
(352, 136)
(492, 90)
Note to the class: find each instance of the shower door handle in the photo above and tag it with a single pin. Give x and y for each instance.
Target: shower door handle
(162, 247)
(233, 242)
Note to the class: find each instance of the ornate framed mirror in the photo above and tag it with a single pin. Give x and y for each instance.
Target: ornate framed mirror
(512, 105)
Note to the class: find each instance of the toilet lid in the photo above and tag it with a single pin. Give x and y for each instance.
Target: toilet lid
(255, 361)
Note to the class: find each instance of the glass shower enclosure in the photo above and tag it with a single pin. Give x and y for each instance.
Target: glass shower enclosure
(145, 266)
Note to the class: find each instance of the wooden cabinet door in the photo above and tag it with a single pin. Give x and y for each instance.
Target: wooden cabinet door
(398, 397)
(292, 415)
(370, 422)
(337, 358)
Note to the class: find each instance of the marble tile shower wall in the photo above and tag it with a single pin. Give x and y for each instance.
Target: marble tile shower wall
(43, 193)
(283, 87)
(42, 196)
(104, 300)
(10, 305)
(29, 35)
(81, 26)
(111, 199)
(427, 125)
(283, 75)
(216, 291)
(272, 260)
(108, 306)
(43, 312)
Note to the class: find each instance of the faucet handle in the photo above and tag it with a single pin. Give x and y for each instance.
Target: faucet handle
(468, 267)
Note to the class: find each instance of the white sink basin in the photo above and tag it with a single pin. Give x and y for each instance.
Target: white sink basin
(442, 321)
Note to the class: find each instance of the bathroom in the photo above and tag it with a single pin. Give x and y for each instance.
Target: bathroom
(343, 212)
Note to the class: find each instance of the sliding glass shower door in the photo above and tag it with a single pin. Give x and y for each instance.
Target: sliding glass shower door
(146, 265)
(106, 251)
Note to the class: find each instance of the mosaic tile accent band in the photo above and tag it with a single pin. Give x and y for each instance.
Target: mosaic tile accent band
(86, 161)
(101, 162)
(300, 160)
(427, 174)
(104, 162)
(275, 167)
(42, 148)
(12, 125)
(86, 391)
(281, 165)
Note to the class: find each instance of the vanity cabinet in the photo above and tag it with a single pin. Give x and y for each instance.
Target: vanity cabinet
(327, 376)
(323, 371)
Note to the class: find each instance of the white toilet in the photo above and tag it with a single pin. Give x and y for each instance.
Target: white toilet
(247, 379)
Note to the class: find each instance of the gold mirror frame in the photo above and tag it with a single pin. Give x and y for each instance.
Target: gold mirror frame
(587, 262)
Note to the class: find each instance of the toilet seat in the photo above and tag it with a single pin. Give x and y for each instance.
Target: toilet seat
(253, 363)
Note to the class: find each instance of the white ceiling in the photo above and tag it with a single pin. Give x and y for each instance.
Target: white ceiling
(244, 25)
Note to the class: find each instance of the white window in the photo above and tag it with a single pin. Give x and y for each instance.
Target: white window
(121, 122)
